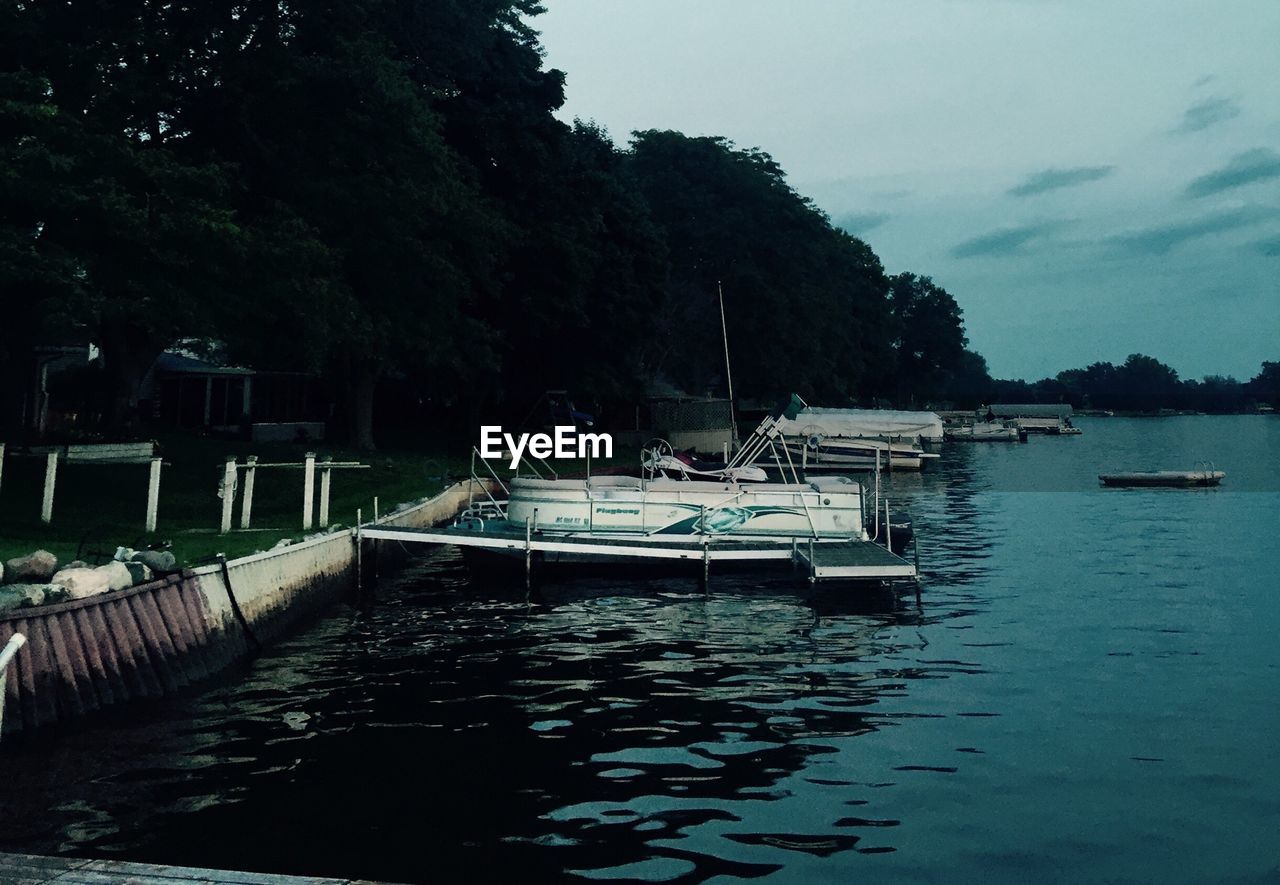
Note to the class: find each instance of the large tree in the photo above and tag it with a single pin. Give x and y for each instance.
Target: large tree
(805, 303)
(928, 335)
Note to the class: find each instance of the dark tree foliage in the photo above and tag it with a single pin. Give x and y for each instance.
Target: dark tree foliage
(1265, 386)
(805, 303)
(929, 336)
(379, 190)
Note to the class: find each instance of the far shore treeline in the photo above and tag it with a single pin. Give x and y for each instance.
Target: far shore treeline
(377, 192)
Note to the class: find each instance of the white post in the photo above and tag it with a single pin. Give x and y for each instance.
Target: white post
(246, 500)
(50, 478)
(375, 508)
(228, 493)
(308, 489)
(325, 473)
(1, 462)
(153, 494)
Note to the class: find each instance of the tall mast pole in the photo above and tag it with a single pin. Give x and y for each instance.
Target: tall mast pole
(728, 372)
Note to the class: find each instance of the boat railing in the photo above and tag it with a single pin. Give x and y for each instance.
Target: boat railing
(16, 641)
(476, 479)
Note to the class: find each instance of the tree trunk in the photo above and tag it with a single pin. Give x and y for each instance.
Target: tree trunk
(127, 353)
(362, 383)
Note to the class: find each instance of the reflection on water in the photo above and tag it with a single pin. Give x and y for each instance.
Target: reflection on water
(1086, 685)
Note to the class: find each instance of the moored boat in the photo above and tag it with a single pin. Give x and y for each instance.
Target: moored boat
(986, 431)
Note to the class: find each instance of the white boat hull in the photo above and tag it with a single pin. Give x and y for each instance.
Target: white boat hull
(626, 506)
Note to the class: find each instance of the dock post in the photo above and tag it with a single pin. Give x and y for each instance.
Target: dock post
(50, 480)
(359, 553)
(915, 549)
(888, 529)
(326, 471)
(813, 565)
(228, 493)
(246, 499)
(795, 553)
(308, 488)
(376, 546)
(153, 494)
(528, 552)
(1, 463)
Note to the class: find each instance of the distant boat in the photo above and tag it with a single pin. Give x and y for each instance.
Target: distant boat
(1163, 478)
(986, 432)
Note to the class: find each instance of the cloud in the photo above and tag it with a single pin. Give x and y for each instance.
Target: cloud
(1246, 168)
(1208, 112)
(1007, 241)
(1269, 247)
(1159, 240)
(1052, 179)
(858, 223)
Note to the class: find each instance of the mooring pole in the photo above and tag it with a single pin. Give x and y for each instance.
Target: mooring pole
(528, 553)
(1, 463)
(246, 499)
(377, 548)
(888, 529)
(326, 472)
(813, 565)
(308, 488)
(50, 479)
(359, 553)
(228, 493)
(153, 494)
(915, 548)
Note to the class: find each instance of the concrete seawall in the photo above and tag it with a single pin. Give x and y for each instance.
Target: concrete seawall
(156, 638)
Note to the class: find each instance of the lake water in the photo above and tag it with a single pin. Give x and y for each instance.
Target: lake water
(1089, 689)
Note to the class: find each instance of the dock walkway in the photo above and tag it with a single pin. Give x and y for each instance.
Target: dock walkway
(30, 869)
(830, 560)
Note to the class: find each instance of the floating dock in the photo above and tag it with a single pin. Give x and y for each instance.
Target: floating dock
(31, 869)
(1163, 478)
(825, 560)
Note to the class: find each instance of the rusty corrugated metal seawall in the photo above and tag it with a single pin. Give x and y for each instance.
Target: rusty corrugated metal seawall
(154, 639)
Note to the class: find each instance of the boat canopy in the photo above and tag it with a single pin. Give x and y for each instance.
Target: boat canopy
(864, 422)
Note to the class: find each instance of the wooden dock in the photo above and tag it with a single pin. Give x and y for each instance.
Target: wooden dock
(854, 561)
(30, 869)
(830, 560)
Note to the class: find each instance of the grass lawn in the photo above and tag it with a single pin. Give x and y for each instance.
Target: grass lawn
(99, 507)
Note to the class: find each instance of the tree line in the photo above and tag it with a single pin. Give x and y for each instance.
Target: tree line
(1144, 384)
(379, 192)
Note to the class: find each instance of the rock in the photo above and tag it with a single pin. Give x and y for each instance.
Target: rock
(82, 582)
(118, 575)
(37, 568)
(141, 574)
(55, 593)
(21, 596)
(161, 562)
(124, 554)
(77, 563)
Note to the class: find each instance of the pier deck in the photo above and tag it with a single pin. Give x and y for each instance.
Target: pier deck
(830, 559)
(30, 869)
(854, 560)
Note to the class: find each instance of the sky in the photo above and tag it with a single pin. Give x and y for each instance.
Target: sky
(1089, 179)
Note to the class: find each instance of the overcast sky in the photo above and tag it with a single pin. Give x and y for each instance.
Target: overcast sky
(1089, 179)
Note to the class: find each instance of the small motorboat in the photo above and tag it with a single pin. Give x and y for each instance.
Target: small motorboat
(986, 431)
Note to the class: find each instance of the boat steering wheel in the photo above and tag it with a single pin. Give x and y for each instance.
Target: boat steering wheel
(813, 436)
